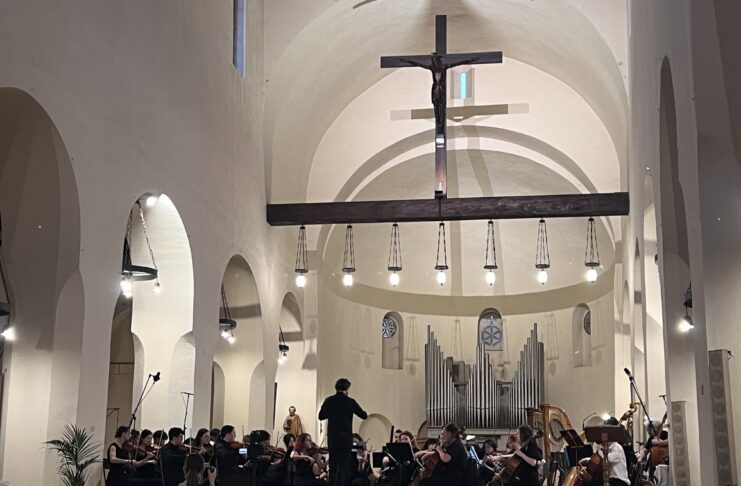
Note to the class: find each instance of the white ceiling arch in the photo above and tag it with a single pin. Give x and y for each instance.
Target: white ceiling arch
(335, 58)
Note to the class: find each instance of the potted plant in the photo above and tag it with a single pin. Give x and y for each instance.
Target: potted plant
(76, 452)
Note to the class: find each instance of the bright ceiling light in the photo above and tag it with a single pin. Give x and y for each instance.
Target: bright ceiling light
(686, 324)
(542, 277)
(300, 280)
(394, 279)
(157, 289)
(152, 201)
(225, 334)
(347, 280)
(302, 259)
(491, 277)
(592, 275)
(9, 334)
(442, 277)
(231, 339)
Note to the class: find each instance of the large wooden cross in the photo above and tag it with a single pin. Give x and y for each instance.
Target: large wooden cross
(438, 64)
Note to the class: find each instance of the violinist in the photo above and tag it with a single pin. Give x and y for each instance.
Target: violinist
(304, 456)
(118, 458)
(486, 471)
(214, 433)
(362, 471)
(159, 438)
(172, 457)
(226, 456)
(451, 468)
(277, 473)
(145, 470)
(201, 444)
(530, 453)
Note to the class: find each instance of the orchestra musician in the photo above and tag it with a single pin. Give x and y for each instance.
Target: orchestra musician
(362, 471)
(304, 457)
(615, 459)
(656, 438)
(530, 453)
(397, 436)
(338, 410)
(201, 444)
(226, 456)
(292, 425)
(277, 473)
(119, 459)
(145, 472)
(172, 457)
(451, 468)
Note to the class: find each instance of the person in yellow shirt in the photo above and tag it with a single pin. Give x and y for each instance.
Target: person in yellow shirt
(292, 424)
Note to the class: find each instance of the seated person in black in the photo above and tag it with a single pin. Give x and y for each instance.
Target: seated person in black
(277, 473)
(304, 457)
(530, 453)
(226, 457)
(146, 472)
(451, 468)
(361, 463)
(172, 457)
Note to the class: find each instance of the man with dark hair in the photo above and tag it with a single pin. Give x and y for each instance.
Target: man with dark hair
(227, 458)
(338, 411)
(172, 458)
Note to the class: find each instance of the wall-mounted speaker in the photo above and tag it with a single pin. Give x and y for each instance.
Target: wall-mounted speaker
(680, 457)
(720, 397)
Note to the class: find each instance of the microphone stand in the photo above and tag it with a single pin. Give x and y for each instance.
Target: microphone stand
(185, 418)
(634, 389)
(143, 395)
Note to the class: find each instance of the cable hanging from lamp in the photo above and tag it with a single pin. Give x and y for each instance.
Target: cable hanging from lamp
(302, 261)
(490, 260)
(394, 264)
(542, 255)
(591, 253)
(348, 259)
(227, 324)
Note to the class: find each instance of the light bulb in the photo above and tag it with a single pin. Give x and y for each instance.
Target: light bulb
(225, 334)
(542, 277)
(491, 277)
(300, 280)
(125, 283)
(347, 280)
(686, 324)
(441, 277)
(282, 358)
(231, 339)
(157, 289)
(592, 275)
(9, 334)
(394, 279)
(605, 416)
(152, 200)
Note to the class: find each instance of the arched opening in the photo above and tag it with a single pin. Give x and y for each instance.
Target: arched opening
(293, 378)
(581, 336)
(41, 248)
(156, 309)
(392, 341)
(239, 358)
(376, 429)
(491, 330)
(121, 369)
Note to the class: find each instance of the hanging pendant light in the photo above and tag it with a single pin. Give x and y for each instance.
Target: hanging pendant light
(686, 323)
(227, 325)
(542, 256)
(302, 262)
(131, 273)
(394, 264)
(490, 261)
(348, 260)
(441, 265)
(591, 253)
(282, 347)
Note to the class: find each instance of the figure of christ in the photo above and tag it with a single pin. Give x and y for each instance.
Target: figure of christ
(439, 93)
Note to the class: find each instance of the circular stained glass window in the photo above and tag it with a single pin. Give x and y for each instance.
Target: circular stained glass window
(388, 327)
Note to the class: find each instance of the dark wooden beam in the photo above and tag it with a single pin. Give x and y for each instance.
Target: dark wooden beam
(457, 209)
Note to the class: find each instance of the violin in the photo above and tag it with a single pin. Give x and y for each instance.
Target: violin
(237, 445)
(275, 452)
(312, 451)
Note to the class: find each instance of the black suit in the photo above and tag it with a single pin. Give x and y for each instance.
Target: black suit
(172, 460)
(338, 410)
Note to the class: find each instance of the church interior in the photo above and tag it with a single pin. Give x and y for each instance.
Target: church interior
(212, 211)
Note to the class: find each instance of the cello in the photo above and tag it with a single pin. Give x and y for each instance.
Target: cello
(512, 466)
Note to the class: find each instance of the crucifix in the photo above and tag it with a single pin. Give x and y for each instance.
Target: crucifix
(438, 64)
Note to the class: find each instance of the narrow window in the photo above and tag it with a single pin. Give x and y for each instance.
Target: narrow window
(240, 28)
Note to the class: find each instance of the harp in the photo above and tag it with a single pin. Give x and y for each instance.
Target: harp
(553, 422)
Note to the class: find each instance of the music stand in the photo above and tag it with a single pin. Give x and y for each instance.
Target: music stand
(400, 452)
(605, 435)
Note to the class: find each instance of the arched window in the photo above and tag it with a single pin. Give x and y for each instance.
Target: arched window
(392, 341)
(581, 336)
(491, 330)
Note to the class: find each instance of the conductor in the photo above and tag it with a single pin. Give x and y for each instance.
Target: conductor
(338, 410)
